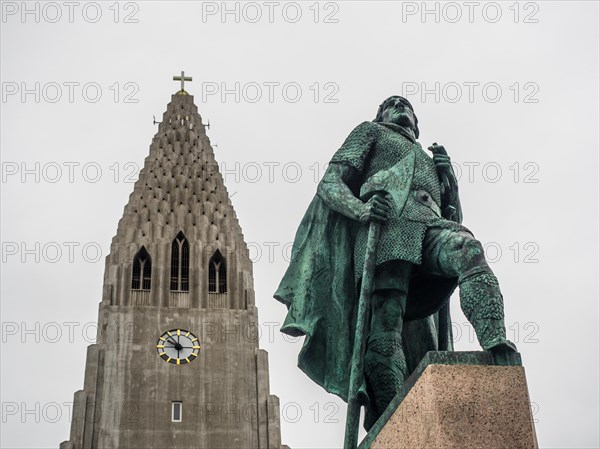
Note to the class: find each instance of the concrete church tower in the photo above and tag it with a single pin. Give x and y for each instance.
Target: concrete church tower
(177, 363)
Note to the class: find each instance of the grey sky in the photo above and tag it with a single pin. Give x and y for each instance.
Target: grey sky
(513, 97)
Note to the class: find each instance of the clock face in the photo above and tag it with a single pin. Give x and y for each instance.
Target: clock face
(177, 346)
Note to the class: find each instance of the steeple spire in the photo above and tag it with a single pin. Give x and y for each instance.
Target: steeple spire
(178, 288)
(180, 190)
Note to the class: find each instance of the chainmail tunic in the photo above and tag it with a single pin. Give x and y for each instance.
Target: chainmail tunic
(372, 147)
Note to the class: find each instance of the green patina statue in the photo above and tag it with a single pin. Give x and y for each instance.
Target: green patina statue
(384, 197)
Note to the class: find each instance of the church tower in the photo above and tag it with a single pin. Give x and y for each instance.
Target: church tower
(176, 363)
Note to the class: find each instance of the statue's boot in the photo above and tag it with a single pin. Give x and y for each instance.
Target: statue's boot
(385, 367)
(482, 304)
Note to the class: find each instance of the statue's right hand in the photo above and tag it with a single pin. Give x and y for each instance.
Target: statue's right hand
(376, 209)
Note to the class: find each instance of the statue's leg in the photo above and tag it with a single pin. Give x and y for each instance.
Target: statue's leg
(453, 253)
(385, 364)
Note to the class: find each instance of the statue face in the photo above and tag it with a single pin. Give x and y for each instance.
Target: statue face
(399, 112)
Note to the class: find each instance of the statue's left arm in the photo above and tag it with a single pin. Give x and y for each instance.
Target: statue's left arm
(451, 209)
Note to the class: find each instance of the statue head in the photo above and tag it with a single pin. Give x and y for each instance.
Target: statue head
(398, 110)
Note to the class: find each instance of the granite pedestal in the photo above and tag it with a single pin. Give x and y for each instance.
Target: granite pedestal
(458, 400)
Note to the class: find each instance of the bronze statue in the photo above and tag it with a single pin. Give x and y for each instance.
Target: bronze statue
(384, 194)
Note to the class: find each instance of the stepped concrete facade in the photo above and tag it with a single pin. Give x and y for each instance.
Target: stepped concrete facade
(178, 268)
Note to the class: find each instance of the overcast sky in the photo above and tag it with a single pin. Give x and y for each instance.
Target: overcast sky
(510, 89)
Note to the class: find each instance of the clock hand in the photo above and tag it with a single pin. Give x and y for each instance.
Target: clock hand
(176, 345)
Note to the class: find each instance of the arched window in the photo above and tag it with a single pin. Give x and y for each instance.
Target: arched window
(142, 270)
(217, 273)
(180, 264)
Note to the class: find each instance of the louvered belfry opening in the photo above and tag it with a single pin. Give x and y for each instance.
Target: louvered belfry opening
(180, 264)
(142, 270)
(217, 273)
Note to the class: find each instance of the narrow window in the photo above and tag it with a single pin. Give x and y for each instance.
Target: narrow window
(217, 273)
(176, 411)
(180, 264)
(142, 270)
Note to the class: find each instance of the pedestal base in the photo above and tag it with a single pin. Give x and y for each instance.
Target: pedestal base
(458, 400)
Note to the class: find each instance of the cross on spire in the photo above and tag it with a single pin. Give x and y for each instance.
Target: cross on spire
(182, 78)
